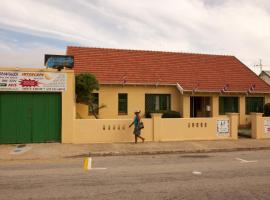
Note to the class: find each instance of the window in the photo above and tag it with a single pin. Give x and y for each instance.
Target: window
(228, 104)
(122, 104)
(95, 102)
(254, 104)
(157, 102)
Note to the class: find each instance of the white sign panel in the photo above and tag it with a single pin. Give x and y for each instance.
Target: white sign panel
(223, 127)
(266, 126)
(32, 81)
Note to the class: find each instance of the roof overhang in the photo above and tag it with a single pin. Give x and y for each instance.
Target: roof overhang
(182, 90)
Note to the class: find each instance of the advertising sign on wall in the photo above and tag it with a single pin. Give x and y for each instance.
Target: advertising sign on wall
(32, 81)
(266, 126)
(223, 127)
(58, 61)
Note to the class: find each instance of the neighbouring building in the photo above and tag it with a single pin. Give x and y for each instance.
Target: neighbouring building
(265, 75)
(196, 85)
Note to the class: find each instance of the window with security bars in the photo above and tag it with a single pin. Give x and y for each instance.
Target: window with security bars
(157, 102)
(228, 104)
(254, 104)
(95, 103)
(122, 104)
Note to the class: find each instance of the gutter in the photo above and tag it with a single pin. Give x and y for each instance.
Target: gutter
(181, 89)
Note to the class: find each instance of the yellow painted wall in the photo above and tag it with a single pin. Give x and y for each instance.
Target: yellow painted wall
(108, 96)
(191, 129)
(108, 131)
(82, 112)
(68, 108)
(156, 129)
(258, 126)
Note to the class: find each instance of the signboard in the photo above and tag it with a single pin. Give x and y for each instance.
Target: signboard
(32, 81)
(58, 61)
(223, 127)
(267, 126)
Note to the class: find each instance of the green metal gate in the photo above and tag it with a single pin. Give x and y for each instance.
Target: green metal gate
(30, 117)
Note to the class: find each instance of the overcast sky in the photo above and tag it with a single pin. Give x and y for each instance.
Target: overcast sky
(31, 28)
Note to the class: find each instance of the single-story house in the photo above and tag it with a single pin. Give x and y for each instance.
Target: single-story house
(196, 85)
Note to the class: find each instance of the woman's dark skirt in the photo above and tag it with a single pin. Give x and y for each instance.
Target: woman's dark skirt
(137, 131)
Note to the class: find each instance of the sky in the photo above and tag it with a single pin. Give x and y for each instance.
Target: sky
(31, 28)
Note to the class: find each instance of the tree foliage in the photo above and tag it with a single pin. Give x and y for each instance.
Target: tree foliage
(86, 83)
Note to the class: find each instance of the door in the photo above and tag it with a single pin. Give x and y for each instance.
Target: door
(200, 106)
(30, 117)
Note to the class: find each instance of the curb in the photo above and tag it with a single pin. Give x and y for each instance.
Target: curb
(138, 153)
(100, 154)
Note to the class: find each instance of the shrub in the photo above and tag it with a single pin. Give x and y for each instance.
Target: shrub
(266, 109)
(147, 115)
(171, 114)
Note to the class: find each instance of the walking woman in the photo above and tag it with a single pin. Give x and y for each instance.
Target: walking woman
(137, 128)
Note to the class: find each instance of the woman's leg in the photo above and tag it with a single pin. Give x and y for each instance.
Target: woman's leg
(141, 138)
(135, 138)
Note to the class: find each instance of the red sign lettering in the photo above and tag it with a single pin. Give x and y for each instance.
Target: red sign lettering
(29, 83)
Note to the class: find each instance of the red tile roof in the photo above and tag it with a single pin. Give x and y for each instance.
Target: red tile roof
(205, 72)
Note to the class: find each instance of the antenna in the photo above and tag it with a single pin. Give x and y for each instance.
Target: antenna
(260, 65)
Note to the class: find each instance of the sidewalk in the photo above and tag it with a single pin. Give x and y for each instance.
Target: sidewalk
(57, 151)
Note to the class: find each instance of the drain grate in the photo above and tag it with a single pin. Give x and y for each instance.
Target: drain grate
(20, 149)
(21, 146)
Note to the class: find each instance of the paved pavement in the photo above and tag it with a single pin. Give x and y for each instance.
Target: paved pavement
(205, 176)
(56, 151)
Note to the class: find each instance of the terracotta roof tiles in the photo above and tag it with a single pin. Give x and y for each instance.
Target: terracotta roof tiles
(202, 71)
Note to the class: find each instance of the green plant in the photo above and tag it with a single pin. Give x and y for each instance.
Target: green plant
(266, 109)
(86, 83)
(171, 114)
(147, 115)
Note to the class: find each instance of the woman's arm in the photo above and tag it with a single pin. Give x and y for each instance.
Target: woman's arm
(131, 124)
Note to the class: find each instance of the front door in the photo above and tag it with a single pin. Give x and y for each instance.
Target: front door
(200, 106)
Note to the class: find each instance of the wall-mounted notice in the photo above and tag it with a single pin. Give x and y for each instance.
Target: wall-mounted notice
(267, 126)
(32, 81)
(223, 127)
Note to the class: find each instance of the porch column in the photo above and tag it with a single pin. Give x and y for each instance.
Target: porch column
(215, 106)
(242, 110)
(156, 117)
(256, 125)
(234, 117)
(186, 106)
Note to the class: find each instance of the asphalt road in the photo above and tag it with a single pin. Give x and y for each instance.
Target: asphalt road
(236, 175)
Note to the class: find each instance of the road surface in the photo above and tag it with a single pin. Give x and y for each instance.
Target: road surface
(231, 175)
